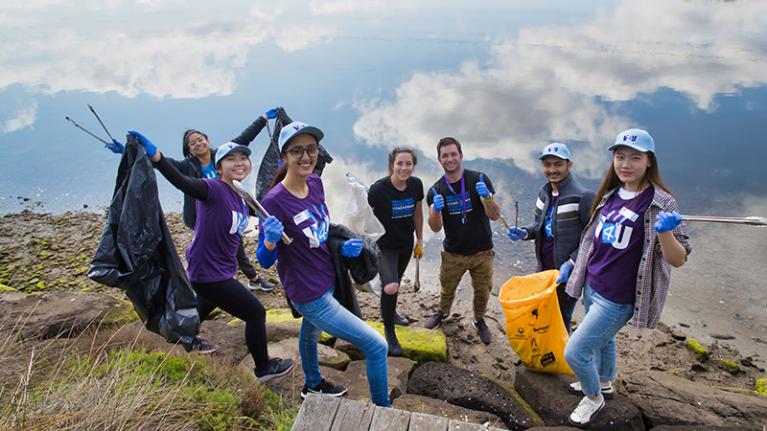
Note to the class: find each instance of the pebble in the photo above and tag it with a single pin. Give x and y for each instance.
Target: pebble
(723, 336)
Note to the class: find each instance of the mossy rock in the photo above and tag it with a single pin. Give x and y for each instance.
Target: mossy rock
(281, 320)
(4, 289)
(122, 314)
(728, 365)
(697, 348)
(419, 344)
(760, 386)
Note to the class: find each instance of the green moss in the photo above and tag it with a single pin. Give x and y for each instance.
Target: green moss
(279, 415)
(728, 365)
(44, 254)
(760, 385)
(534, 416)
(419, 344)
(120, 315)
(80, 270)
(40, 285)
(4, 288)
(280, 315)
(697, 348)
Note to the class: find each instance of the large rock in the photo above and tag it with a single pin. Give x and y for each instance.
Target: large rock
(62, 314)
(547, 394)
(280, 324)
(288, 348)
(470, 390)
(421, 404)
(419, 344)
(666, 399)
(355, 377)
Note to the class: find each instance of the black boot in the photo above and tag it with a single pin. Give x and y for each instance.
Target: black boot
(391, 339)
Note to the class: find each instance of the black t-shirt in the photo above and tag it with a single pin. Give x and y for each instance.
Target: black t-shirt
(395, 210)
(474, 235)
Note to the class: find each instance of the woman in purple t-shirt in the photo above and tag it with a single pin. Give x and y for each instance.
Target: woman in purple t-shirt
(211, 256)
(297, 207)
(624, 265)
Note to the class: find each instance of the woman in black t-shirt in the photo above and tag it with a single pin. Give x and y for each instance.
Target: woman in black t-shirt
(396, 201)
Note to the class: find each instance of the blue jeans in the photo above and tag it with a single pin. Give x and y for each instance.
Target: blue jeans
(591, 351)
(326, 314)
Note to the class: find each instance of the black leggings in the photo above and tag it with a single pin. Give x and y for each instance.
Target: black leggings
(235, 299)
(391, 266)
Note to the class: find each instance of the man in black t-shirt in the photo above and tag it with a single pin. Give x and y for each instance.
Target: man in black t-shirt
(462, 201)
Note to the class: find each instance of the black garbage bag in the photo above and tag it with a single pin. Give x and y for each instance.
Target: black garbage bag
(136, 253)
(270, 162)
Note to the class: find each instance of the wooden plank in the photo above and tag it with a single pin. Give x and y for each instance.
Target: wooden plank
(464, 426)
(386, 419)
(425, 422)
(353, 415)
(316, 414)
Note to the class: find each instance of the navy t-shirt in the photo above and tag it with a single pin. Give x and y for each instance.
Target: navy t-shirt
(395, 210)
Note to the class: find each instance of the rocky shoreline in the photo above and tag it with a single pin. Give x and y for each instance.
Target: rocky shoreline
(666, 379)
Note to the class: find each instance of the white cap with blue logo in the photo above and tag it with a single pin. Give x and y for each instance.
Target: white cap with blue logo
(289, 131)
(636, 139)
(230, 147)
(557, 150)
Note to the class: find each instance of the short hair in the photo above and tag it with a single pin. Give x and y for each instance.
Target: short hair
(399, 150)
(444, 142)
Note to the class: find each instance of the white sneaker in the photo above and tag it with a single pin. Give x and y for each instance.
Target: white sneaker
(606, 389)
(586, 411)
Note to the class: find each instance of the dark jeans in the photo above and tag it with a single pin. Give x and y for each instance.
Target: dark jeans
(243, 262)
(566, 305)
(236, 299)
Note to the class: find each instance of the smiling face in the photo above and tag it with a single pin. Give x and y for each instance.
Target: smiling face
(300, 155)
(555, 169)
(402, 167)
(630, 166)
(198, 144)
(450, 158)
(235, 166)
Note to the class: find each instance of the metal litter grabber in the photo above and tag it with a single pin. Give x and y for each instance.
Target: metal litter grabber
(752, 220)
(256, 207)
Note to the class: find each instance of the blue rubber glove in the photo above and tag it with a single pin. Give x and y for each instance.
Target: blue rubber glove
(517, 233)
(482, 190)
(667, 221)
(272, 229)
(352, 247)
(115, 147)
(439, 202)
(271, 114)
(564, 272)
(151, 149)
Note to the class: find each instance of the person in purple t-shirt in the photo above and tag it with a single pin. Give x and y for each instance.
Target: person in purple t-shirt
(211, 256)
(623, 267)
(296, 203)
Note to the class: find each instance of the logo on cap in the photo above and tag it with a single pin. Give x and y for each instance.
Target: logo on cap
(631, 138)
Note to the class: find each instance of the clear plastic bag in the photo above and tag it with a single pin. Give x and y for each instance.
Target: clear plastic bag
(359, 217)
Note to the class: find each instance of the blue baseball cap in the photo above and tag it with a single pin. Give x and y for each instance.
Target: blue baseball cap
(290, 131)
(229, 148)
(636, 139)
(556, 150)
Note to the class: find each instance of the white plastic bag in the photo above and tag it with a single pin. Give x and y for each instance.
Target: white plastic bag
(359, 217)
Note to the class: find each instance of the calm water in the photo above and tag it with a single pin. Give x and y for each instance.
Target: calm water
(505, 78)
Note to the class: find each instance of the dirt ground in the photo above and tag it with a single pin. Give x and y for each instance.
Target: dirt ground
(42, 252)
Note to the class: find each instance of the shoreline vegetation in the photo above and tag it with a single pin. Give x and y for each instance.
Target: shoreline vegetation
(99, 369)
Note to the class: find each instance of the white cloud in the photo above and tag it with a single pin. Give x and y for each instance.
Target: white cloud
(547, 84)
(21, 119)
(360, 7)
(296, 37)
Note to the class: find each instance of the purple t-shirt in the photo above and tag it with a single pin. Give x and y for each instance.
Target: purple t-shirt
(305, 266)
(547, 247)
(613, 266)
(221, 219)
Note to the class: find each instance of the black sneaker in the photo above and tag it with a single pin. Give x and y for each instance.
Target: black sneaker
(483, 331)
(401, 320)
(324, 388)
(201, 346)
(259, 283)
(277, 368)
(434, 320)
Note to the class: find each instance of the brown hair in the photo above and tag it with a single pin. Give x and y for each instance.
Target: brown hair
(444, 142)
(185, 140)
(400, 150)
(611, 180)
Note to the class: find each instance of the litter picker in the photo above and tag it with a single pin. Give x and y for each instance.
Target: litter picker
(753, 221)
(100, 122)
(256, 207)
(417, 282)
(86, 130)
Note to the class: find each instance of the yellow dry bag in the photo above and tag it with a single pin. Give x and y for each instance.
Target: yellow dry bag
(534, 324)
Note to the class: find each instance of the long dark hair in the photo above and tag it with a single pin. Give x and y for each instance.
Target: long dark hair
(611, 180)
(399, 150)
(185, 140)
